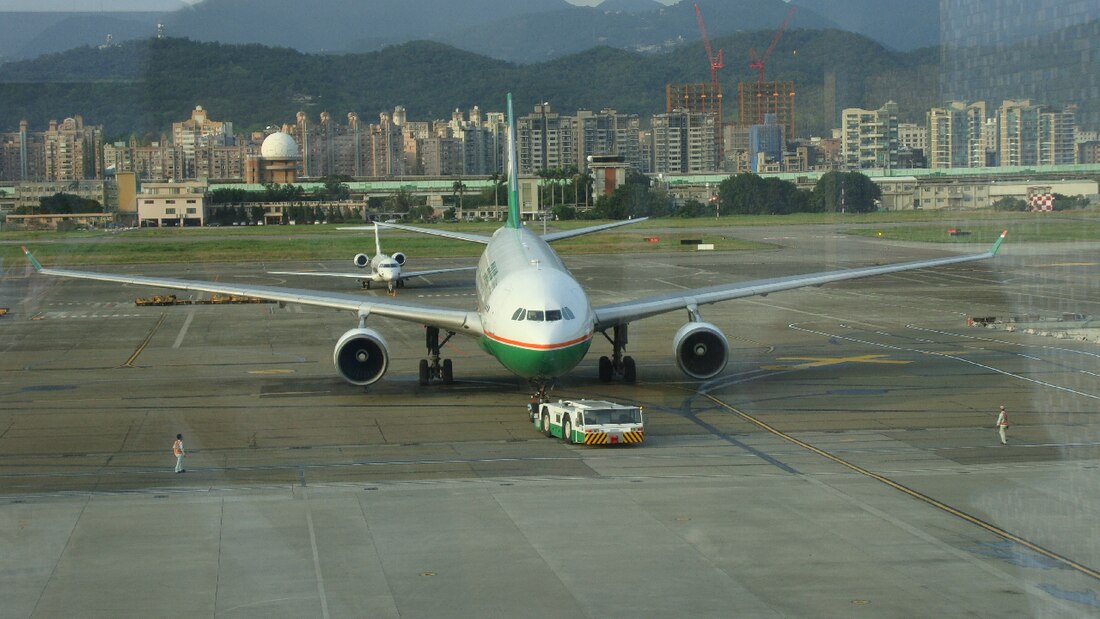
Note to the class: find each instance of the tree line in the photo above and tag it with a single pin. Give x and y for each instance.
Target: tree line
(741, 194)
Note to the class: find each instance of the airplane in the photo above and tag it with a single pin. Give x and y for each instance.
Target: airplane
(383, 267)
(532, 315)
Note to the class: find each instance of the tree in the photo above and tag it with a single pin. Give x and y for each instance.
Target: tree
(845, 192)
(336, 187)
(1067, 203)
(1008, 203)
(563, 212)
(63, 204)
(458, 188)
(399, 202)
(422, 213)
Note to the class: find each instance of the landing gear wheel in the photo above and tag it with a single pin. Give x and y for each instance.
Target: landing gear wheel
(546, 425)
(448, 372)
(630, 371)
(366, 284)
(605, 369)
(424, 378)
(567, 432)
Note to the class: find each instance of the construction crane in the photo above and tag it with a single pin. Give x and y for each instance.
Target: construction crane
(756, 62)
(715, 62)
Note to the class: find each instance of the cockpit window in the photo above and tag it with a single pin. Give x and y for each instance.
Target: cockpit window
(543, 315)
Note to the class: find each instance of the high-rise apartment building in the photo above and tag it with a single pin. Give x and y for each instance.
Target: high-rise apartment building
(700, 98)
(199, 133)
(73, 151)
(913, 136)
(22, 155)
(955, 135)
(683, 142)
(609, 132)
(1030, 135)
(869, 138)
(545, 140)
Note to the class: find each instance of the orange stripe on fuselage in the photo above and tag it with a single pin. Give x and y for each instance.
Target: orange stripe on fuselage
(503, 340)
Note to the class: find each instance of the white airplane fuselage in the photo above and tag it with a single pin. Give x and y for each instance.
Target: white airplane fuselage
(537, 319)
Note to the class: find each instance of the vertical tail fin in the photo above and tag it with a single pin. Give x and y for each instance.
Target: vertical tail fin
(377, 242)
(513, 171)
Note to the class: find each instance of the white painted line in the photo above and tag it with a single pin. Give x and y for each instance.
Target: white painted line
(183, 329)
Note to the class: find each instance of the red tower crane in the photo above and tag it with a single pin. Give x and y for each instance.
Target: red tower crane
(715, 62)
(758, 62)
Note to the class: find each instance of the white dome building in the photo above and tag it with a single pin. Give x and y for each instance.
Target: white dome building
(277, 163)
(279, 145)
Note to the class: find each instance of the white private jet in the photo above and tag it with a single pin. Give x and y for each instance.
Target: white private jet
(531, 315)
(384, 268)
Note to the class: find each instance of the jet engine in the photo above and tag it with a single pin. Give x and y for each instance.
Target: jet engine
(361, 260)
(399, 258)
(361, 356)
(701, 350)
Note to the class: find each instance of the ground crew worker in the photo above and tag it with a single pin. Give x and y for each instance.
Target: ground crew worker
(1002, 423)
(177, 450)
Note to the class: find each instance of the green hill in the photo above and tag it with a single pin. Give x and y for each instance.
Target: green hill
(143, 86)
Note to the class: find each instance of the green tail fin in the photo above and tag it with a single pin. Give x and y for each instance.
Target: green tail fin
(513, 171)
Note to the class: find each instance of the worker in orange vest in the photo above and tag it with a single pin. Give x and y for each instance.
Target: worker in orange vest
(177, 450)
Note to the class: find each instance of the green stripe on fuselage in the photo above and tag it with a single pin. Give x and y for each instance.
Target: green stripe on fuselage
(541, 364)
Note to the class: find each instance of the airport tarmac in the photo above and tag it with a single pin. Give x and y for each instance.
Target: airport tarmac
(844, 464)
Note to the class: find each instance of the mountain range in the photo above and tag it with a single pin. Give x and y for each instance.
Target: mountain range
(141, 87)
(522, 31)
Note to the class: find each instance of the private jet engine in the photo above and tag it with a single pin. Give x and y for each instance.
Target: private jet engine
(361, 260)
(361, 356)
(701, 350)
(399, 258)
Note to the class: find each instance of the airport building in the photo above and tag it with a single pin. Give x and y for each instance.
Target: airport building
(181, 204)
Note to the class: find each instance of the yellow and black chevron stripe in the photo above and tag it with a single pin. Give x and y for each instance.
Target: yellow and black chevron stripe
(601, 438)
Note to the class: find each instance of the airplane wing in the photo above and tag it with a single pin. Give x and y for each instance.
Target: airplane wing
(370, 276)
(484, 240)
(460, 321)
(447, 234)
(365, 275)
(409, 274)
(565, 234)
(621, 313)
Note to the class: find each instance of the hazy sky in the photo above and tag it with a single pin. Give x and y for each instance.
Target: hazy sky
(92, 5)
(142, 5)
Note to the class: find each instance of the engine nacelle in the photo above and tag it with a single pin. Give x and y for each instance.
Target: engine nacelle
(361, 260)
(399, 258)
(361, 356)
(701, 350)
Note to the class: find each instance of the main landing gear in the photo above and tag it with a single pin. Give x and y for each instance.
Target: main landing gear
(431, 368)
(617, 365)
